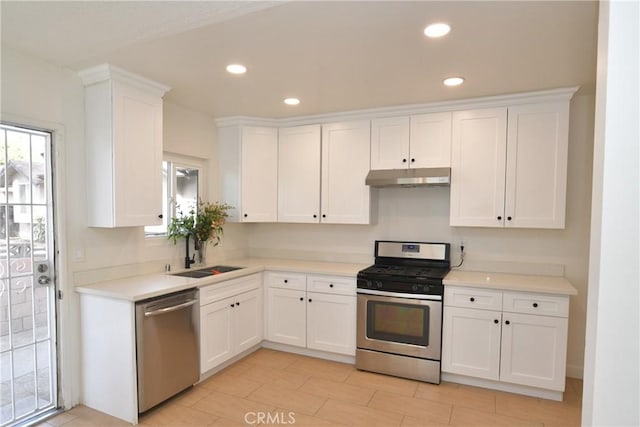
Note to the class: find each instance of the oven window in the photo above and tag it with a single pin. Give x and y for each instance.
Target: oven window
(395, 322)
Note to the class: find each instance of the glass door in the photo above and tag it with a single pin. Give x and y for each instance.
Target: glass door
(28, 354)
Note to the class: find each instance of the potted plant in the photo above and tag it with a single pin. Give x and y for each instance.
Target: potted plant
(203, 224)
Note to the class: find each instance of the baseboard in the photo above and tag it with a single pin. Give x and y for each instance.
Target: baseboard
(500, 386)
(343, 358)
(575, 371)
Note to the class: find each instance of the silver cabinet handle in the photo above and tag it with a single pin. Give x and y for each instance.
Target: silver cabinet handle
(169, 309)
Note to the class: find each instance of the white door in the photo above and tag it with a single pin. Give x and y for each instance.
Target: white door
(471, 342)
(345, 165)
(247, 320)
(216, 341)
(430, 142)
(299, 174)
(259, 175)
(390, 143)
(534, 350)
(28, 357)
(286, 316)
(537, 145)
(478, 159)
(331, 323)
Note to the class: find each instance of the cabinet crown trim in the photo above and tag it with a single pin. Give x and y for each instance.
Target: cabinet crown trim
(550, 95)
(104, 72)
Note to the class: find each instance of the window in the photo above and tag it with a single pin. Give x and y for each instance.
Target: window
(182, 180)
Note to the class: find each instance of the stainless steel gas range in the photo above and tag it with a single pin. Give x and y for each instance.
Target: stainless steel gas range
(399, 324)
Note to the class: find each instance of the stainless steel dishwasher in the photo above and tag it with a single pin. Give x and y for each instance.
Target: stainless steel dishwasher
(167, 347)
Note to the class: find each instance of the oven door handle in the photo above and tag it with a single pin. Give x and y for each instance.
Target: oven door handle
(400, 295)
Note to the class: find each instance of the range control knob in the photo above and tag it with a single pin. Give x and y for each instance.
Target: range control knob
(414, 288)
(379, 284)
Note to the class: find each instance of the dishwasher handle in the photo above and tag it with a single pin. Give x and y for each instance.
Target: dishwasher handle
(169, 309)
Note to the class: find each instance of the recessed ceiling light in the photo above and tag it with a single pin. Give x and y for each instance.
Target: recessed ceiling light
(438, 29)
(292, 101)
(236, 69)
(453, 81)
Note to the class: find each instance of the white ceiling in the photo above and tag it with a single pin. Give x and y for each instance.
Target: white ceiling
(335, 56)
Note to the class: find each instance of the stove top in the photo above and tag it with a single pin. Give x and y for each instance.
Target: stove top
(407, 268)
(406, 271)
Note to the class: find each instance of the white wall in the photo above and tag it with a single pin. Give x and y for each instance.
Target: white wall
(423, 214)
(612, 354)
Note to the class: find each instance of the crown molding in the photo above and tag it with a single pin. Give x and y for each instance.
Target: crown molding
(105, 72)
(551, 95)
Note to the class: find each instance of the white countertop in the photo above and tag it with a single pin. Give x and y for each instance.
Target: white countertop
(510, 282)
(152, 285)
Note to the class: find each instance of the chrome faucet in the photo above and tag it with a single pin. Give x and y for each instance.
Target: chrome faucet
(188, 261)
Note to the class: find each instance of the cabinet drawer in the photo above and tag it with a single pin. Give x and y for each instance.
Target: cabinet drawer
(542, 304)
(332, 285)
(284, 280)
(229, 288)
(482, 299)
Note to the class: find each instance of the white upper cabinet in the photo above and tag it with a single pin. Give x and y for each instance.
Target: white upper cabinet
(299, 174)
(345, 164)
(123, 122)
(537, 144)
(248, 167)
(478, 159)
(390, 143)
(430, 145)
(419, 141)
(514, 178)
(259, 174)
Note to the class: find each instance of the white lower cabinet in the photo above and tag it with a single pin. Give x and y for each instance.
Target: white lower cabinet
(503, 341)
(534, 350)
(321, 316)
(331, 323)
(215, 334)
(286, 316)
(471, 342)
(230, 320)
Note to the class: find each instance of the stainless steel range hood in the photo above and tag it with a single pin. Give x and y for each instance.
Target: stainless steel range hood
(409, 177)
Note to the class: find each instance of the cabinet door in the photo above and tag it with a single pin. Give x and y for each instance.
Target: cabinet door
(471, 342)
(537, 146)
(345, 165)
(259, 175)
(299, 174)
(247, 321)
(390, 143)
(216, 343)
(331, 323)
(430, 142)
(286, 316)
(534, 350)
(478, 160)
(137, 162)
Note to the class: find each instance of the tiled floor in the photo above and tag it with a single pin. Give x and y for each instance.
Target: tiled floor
(288, 389)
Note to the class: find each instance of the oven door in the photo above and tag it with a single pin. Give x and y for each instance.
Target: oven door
(406, 326)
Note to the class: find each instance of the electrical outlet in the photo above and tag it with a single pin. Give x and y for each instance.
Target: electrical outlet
(167, 268)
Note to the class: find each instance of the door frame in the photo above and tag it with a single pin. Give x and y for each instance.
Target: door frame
(67, 313)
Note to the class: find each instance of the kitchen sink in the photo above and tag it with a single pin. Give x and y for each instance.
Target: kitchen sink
(206, 272)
